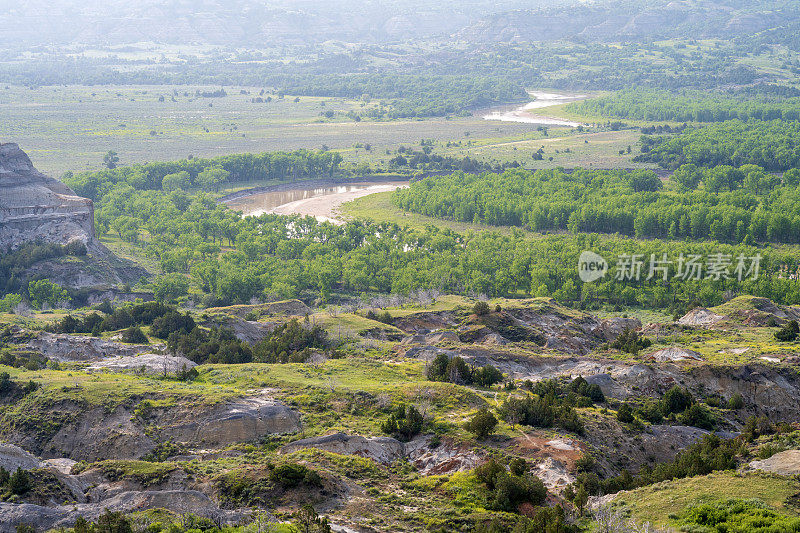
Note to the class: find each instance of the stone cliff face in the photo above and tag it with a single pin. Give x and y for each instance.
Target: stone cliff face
(36, 207)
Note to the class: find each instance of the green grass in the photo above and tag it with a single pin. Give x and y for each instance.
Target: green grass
(143, 472)
(128, 251)
(350, 323)
(378, 207)
(738, 304)
(111, 389)
(567, 147)
(70, 128)
(349, 374)
(658, 503)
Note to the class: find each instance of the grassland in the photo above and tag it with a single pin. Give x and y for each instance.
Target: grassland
(379, 208)
(658, 503)
(70, 128)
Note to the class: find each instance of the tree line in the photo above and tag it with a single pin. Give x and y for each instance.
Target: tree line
(232, 259)
(208, 174)
(771, 144)
(649, 104)
(723, 203)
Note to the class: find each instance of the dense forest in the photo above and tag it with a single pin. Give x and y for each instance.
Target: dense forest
(205, 248)
(722, 203)
(417, 82)
(773, 145)
(211, 174)
(765, 102)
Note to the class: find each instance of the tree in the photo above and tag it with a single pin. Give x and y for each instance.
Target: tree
(19, 482)
(792, 177)
(308, 521)
(111, 159)
(45, 291)
(581, 498)
(212, 177)
(170, 286)
(176, 182)
(481, 308)
(482, 424)
(625, 413)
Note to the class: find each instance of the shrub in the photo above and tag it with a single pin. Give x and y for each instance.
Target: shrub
(508, 490)
(185, 374)
(134, 335)
(518, 466)
(5, 382)
(585, 463)
(481, 308)
(736, 402)
(171, 322)
(455, 370)
(625, 413)
(482, 424)
(404, 423)
(630, 341)
(788, 332)
(307, 520)
(736, 516)
(288, 340)
(219, 345)
(487, 376)
(162, 452)
(676, 400)
(583, 388)
(19, 482)
(548, 407)
(650, 410)
(112, 522)
(697, 416)
(458, 372)
(290, 475)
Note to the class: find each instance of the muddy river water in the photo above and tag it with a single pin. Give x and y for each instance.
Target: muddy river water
(322, 201)
(542, 100)
(319, 201)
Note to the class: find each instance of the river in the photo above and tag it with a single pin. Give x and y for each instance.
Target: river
(542, 100)
(319, 201)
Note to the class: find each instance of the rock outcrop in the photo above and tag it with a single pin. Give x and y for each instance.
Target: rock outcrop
(45, 518)
(97, 433)
(13, 457)
(380, 449)
(63, 347)
(786, 463)
(36, 207)
(675, 353)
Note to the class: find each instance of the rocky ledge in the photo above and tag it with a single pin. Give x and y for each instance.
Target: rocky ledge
(36, 207)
